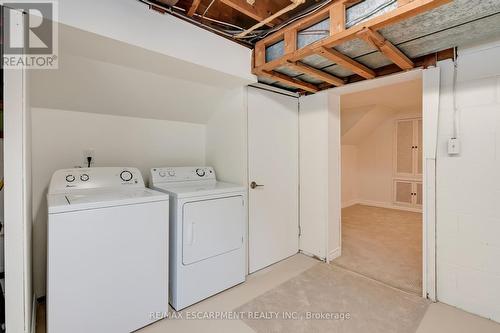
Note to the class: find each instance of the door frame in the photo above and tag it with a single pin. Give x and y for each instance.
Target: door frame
(19, 300)
(431, 82)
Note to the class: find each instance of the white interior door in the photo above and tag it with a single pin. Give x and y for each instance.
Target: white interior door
(273, 162)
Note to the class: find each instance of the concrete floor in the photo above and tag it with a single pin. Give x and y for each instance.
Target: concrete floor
(438, 318)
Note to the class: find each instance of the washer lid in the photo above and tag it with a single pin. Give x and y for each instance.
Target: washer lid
(92, 199)
(187, 190)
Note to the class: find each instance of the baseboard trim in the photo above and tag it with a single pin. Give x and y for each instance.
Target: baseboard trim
(334, 254)
(314, 256)
(349, 203)
(381, 204)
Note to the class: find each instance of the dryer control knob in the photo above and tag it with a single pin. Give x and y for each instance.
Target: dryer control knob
(162, 173)
(84, 177)
(200, 172)
(126, 176)
(70, 178)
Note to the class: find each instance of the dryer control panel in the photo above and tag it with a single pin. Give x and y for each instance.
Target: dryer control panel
(182, 174)
(64, 181)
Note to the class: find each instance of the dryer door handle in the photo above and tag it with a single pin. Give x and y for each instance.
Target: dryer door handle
(191, 235)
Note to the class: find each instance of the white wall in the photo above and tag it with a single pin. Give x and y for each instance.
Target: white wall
(375, 161)
(132, 22)
(59, 141)
(349, 164)
(226, 138)
(89, 85)
(319, 125)
(313, 159)
(468, 185)
(367, 167)
(334, 177)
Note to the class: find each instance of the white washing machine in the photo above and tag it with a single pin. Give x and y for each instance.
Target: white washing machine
(107, 256)
(207, 233)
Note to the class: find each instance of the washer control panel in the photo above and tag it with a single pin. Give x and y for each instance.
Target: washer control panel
(182, 174)
(80, 178)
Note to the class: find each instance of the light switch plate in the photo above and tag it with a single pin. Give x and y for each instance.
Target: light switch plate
(453, 146)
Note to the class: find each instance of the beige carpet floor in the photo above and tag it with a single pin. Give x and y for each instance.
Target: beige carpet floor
(367, 305)
(383, 244)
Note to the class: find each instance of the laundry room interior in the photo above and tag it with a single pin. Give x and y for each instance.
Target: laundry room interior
(124, 112)
(311, 168)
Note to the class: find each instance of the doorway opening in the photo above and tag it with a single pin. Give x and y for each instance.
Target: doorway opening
(381, 184)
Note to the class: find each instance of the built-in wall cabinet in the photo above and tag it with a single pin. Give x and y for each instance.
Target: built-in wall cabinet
(408, 193)
(408, 166)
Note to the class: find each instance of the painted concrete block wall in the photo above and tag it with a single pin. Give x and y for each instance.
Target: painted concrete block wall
(468, 185)
(60, 138)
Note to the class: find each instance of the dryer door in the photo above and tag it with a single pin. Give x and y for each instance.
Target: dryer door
(211, 228)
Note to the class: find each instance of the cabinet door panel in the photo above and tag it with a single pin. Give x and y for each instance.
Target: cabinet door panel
(404, 144)
(419, 194)
(403, 192)
(419, 143)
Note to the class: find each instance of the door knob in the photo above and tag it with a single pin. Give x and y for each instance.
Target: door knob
(254, 185)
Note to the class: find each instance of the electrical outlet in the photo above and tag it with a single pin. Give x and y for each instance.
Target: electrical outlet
(90, 152)
(453, 146)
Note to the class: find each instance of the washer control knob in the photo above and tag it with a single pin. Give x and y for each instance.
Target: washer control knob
(200, 172)
(84, 177)
(162, 173)
(70, 178)
(171, 173)
(126, 176)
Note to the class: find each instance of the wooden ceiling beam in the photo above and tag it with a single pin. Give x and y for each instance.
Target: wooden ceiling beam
(193, 8)
(290, 81)
(423, 61)
(375, 39)
(317, 73)
(404, 11)
(259, 11)
(346, 62)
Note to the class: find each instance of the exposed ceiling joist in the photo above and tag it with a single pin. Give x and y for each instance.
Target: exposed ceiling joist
(290, 81)
(259, 11)
(292, 6)
(375, 39)
(403, 12)
(193, 8)
(303, 68)
(346, 62)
